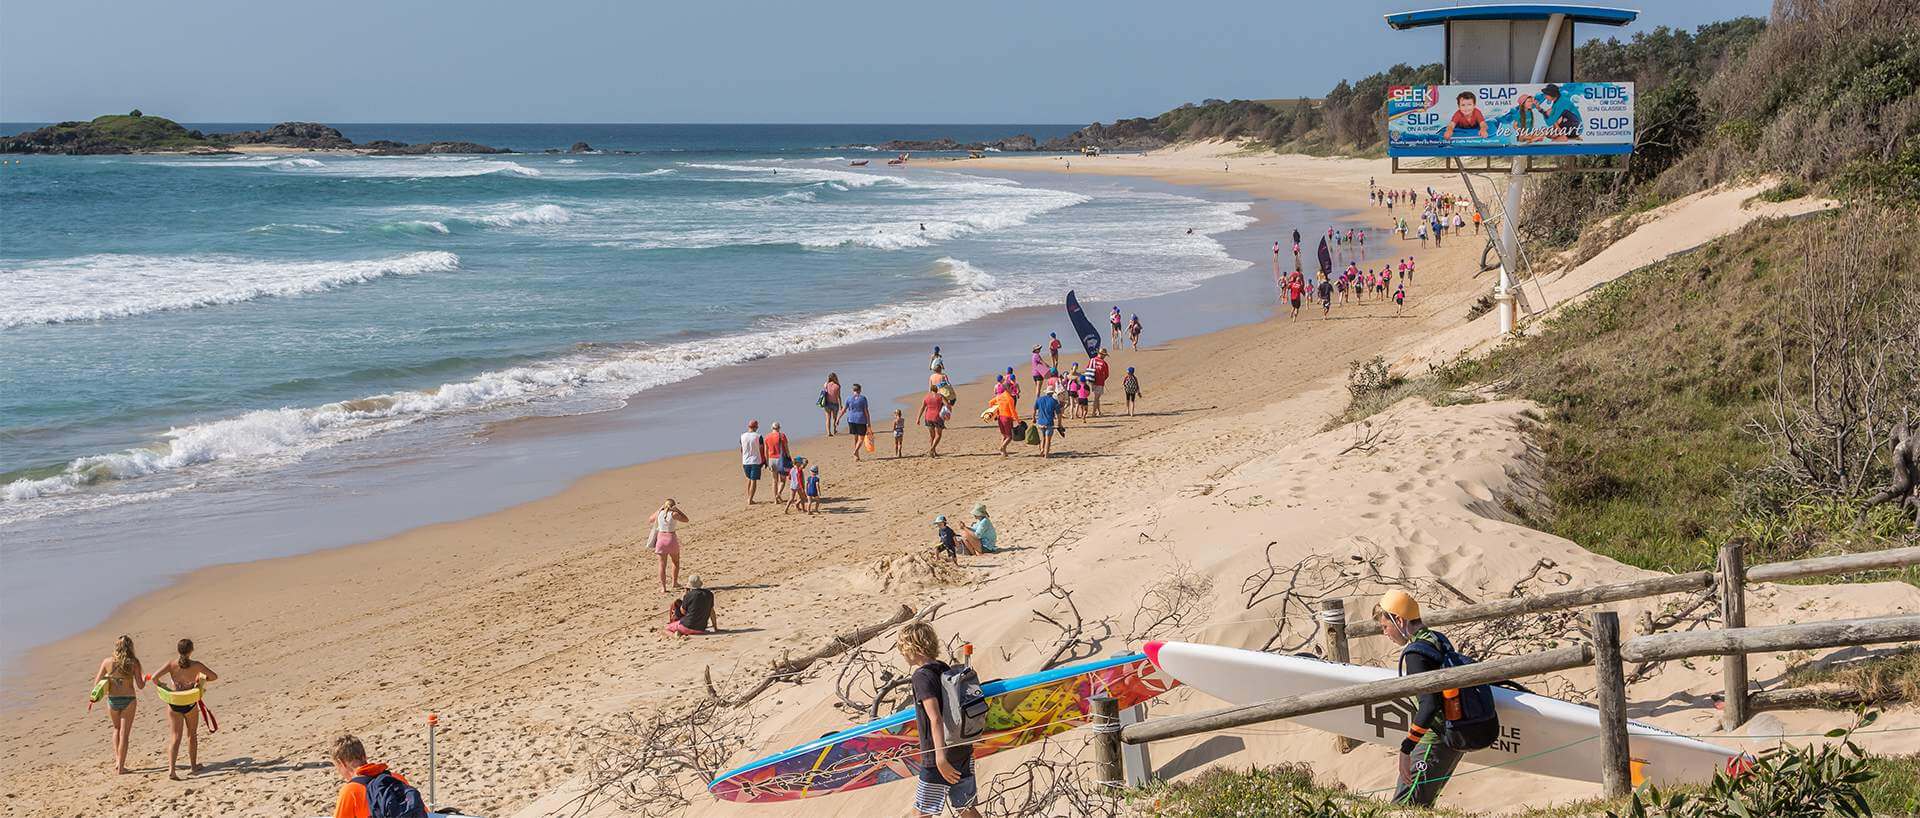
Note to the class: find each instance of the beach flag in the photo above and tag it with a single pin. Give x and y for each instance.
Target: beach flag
(1089, 334)
(1326, 259)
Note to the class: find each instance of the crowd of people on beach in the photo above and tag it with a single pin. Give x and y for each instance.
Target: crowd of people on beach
(1032, 407)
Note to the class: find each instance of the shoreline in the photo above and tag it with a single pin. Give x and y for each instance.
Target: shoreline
(429, 474)
(548, 555)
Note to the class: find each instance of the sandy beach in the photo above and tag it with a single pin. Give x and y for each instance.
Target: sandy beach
(525, 629)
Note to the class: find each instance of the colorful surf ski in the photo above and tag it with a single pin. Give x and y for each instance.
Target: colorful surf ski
(1023, 710)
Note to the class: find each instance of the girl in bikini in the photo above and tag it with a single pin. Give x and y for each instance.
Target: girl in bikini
(123, 677)
(183, 673)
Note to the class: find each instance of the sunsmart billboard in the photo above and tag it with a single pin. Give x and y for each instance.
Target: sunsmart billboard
(1510, 120)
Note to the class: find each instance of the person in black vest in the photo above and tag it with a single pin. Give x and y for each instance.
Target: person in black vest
(946, 768)
(1427, 755)
(693, 613)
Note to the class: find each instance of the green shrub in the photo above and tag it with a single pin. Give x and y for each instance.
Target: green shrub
(1784, 782)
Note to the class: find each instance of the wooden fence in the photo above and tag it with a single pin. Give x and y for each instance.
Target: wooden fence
(1607, 653)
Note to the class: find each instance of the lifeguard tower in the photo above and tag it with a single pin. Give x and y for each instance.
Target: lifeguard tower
(1529, 110)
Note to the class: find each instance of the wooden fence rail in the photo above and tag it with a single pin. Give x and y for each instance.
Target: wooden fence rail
(1608, 656)
(1731, 575)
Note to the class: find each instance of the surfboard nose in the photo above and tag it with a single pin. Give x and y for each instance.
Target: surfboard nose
(1152, 649)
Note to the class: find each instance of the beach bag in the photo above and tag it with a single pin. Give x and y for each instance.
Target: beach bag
(869, 444)
(389, 797)
(986, 415)
(1033, 435)
(1472, 722)
(947, 394)
(822, 400)
(963, 704)
(1020, 430)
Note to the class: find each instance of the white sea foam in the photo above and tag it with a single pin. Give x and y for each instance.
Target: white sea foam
(567, 162)
(277, 227)
(368, 167)
(97, 287)
(275, 436)
(1136, 244)
(445, 219)
(967, 275)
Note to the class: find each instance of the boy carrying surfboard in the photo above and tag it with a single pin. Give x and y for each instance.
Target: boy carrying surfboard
(1447, 725)
(946, 758)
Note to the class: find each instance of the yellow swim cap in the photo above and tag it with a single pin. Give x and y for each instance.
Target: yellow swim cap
(1400, 604)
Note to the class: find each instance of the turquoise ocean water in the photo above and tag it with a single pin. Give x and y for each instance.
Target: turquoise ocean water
(178, 331)
(171, 321)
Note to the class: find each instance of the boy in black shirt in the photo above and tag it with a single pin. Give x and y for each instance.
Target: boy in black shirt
(946, 770)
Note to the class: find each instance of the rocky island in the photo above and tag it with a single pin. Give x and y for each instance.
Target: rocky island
(135, 132)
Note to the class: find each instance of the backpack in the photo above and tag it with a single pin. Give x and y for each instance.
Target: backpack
(963, 705)
(1472, 722)
(389, 797)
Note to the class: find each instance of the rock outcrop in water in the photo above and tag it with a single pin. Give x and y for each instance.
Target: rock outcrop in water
(311, 135)
(137, 133)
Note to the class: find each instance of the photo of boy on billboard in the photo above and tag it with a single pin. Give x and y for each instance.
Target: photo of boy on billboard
(1467, 115)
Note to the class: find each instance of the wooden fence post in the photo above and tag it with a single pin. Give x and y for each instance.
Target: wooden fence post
(1733, 612)
(1616, 772)
(1333, 643)
(1105, 712)
(1136, 761)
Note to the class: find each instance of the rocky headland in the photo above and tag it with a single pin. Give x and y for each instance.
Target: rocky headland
(138, 133)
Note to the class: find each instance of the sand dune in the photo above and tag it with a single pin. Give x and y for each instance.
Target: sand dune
(529, 629)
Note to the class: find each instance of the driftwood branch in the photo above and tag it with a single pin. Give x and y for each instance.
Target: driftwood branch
(788, 668)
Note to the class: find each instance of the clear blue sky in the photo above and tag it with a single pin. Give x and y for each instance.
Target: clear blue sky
(713, 61)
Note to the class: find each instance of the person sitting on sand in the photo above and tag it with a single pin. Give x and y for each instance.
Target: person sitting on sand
(983, 538)
(666, 540)
(183, 673)
(370, 784)
(693, 613)
(122, 678)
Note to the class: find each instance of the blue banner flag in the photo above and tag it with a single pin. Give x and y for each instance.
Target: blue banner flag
(1089, 334)
(1326, 259)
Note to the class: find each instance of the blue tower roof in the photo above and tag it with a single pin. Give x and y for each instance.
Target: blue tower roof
(1512, 11)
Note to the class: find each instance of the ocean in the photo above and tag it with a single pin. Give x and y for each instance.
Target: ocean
(184, 339)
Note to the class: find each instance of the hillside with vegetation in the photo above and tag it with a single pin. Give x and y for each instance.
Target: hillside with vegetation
(1752, 390)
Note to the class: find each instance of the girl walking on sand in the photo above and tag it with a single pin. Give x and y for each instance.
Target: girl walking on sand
(899, 434)
(118, 679)
(666, 540)
(183, 673)
(1133, 332)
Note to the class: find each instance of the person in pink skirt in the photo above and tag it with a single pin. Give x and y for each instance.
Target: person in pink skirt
(666, 541)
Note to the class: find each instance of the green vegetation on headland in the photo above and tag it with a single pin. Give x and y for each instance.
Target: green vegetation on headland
(136, 132)
(1746, 391)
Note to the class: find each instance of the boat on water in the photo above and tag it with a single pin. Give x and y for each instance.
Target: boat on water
(857, 163)
(898, 160)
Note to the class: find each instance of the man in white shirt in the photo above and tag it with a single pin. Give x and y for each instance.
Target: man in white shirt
(752, 457)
